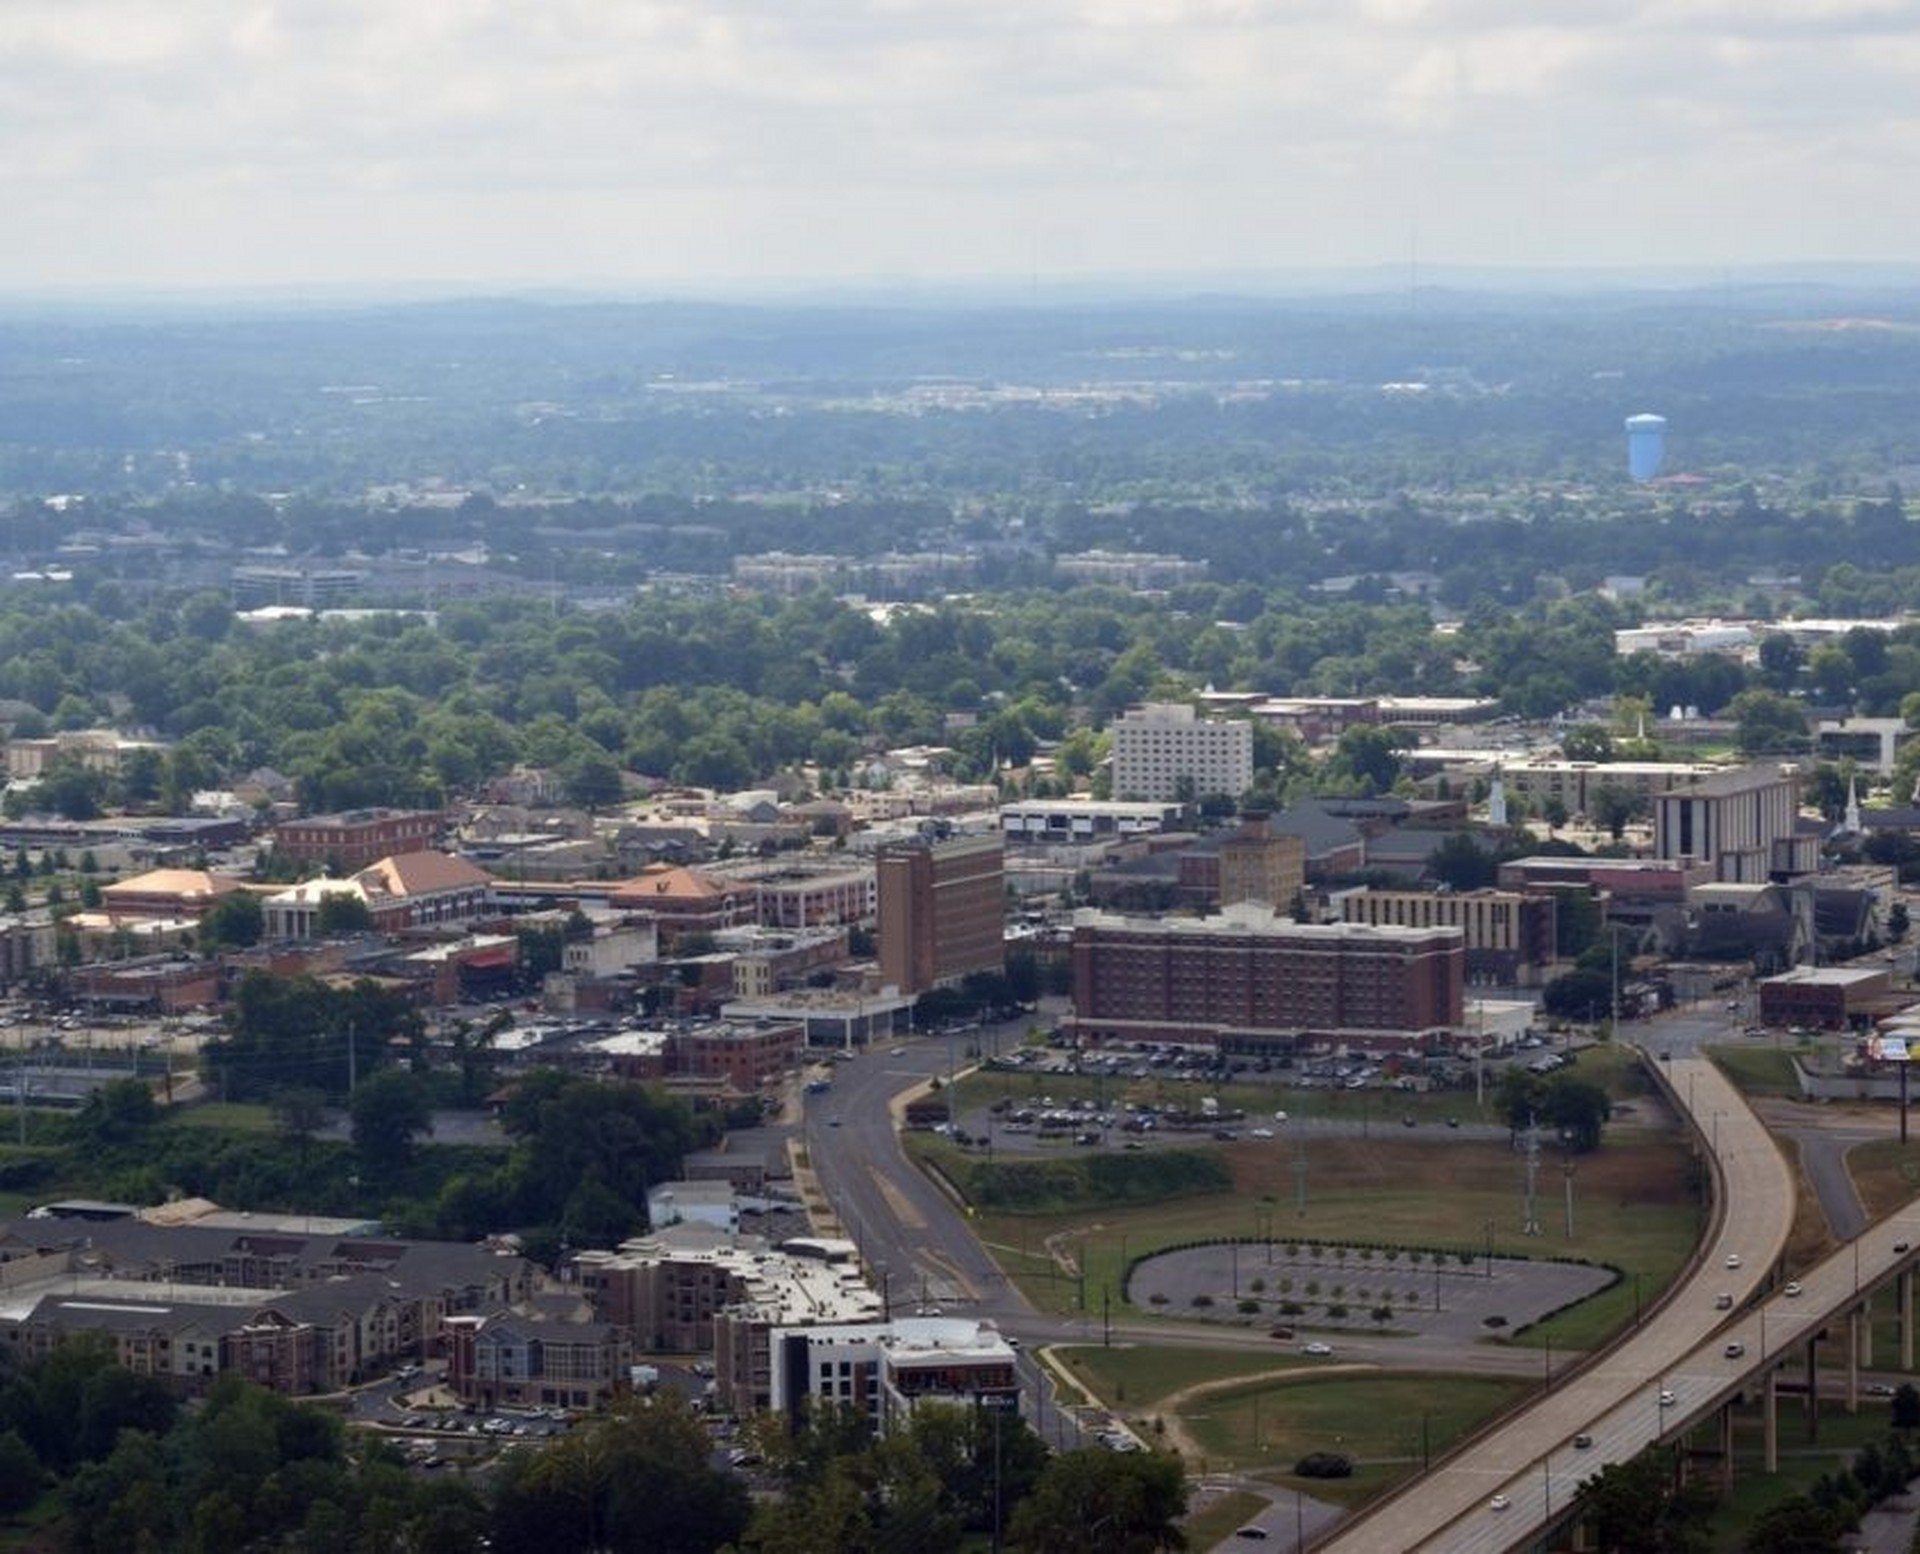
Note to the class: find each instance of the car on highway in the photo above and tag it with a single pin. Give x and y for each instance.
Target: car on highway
(1252, 1534)
(1733, 1259)
(1723, 1302)
(1316, 1348)
(1734, 1351)
(1666, 1397)
(1792, 1291)
(1498, 1503)
(1582, 1441)
(1901, 1246)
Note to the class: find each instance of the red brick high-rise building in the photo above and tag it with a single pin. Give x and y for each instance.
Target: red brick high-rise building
(942, 911)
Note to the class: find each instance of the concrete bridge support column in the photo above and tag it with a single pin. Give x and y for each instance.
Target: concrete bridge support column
(1903, 1311)
(1854, 1342)
(1813, 1389)
(1726, 1448)
(1770, 1420)
(1866, 1334)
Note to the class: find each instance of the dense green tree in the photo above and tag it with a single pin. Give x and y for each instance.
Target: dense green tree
(1642, 1506)
(1579, 994)
(117, 1112)
(1587, 742)
(1128, 1502)
(389, 1110)
(234, 921)
(1797, 1525)
(610, 1482)
(21, 1476)
(572, 1131)
(342, 914)
(1769, 724)
(1615, 808)
(297, 1030)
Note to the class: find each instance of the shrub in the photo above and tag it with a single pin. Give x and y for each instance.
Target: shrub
(1203, 1300)
(1248, 1307)
(1336, 1312)
(1493, 1321)
(1324, 1464)
(1258, 1286)
(1292, 1308)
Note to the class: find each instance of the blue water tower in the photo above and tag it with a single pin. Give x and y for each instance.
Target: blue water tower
(1646, 445)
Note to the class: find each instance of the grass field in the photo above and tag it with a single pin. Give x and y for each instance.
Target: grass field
(227, 1116)
(1386, 1424)
(1635, 1208)
(1136, 1377)
(1886, 1174)
(1217, 1516)
(1800, 1464)
(1758, 1070)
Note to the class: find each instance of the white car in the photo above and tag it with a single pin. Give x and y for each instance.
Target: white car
(1666, 1397)
(1316, 1348)
(1498, 1503)
(1733, 1259)
(1792, 1291)
(1259, 1133)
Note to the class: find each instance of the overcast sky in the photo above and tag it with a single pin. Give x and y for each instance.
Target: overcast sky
(496, 142)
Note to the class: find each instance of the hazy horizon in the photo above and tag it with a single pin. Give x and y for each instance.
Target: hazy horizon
(447, 147)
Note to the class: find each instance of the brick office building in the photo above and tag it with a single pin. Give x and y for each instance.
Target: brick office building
(1247, 974)
(942, 911)
(357, 838)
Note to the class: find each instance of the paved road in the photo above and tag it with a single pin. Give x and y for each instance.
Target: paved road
(1616, 1398)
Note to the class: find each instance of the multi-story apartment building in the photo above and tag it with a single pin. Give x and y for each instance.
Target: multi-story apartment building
(1247, 977)
(506, 1359)
(1167, 751)
(942, 911)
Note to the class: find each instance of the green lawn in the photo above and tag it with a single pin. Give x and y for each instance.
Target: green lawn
(1387, 1424)
(1635, 1210)
(1132, 1377)
(1800, 1463)
(1218, 1517)
(1758, 1069)
(226, 1117)
(1886, 1173)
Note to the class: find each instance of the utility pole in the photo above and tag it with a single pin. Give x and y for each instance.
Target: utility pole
(1530, 1213)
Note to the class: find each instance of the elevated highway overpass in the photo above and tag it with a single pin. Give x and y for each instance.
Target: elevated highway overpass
(1529, 1458)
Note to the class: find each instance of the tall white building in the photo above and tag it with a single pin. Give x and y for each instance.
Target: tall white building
(1162, 749)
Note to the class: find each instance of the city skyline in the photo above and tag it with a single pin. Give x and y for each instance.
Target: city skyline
(733, 143)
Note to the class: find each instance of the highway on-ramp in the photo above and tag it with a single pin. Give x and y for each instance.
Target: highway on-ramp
(1529, 1460)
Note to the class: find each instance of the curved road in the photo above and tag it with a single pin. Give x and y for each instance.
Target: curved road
(1452, 1508)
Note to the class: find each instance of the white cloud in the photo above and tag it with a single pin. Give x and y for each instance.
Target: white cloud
(369, 139)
